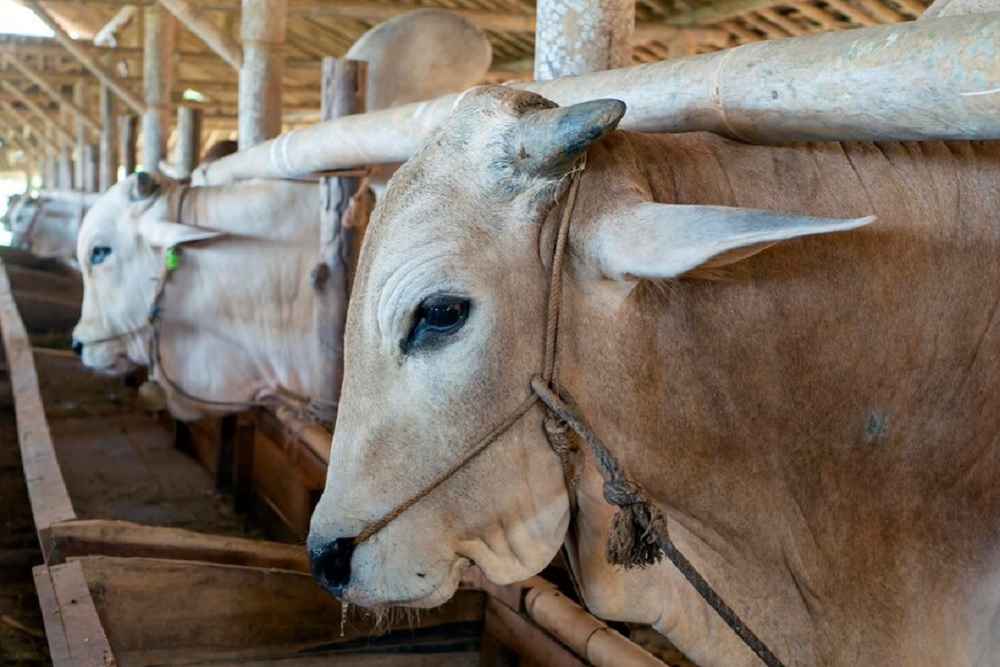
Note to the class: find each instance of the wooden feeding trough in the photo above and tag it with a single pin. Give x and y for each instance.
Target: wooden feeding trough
(127, 581)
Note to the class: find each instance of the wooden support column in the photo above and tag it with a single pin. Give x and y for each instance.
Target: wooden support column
(263, 36)
(160, 33)
(575, 37)
(128, 134)
(88, 156)
(342, 227)
(188, 140)
(108, 163)
(65, 179)
(79, 160)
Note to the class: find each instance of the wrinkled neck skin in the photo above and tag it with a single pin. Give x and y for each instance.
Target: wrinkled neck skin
(820, 434)
(237, 315)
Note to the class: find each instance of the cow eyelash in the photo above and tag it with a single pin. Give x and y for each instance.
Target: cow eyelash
(434, 320)
(98, 254)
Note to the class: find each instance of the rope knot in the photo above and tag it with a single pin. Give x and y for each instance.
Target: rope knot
(558, 433)
(623, 492)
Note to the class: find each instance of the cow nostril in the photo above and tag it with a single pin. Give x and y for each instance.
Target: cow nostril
(331, 564)
(77, 347)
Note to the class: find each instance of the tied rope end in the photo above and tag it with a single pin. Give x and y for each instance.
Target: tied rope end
(632, 541)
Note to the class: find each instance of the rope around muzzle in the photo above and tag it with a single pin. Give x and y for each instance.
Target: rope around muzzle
(639, 533)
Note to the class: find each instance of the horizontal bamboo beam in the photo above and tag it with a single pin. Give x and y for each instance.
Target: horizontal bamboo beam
(886, 82)
(82, 54)
(48, 87)
(189, 14)
(721, 10)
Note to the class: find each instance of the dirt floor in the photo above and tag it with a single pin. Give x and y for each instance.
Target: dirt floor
(21, 640)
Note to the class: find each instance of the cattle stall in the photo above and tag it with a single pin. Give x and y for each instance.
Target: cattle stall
(148, 557)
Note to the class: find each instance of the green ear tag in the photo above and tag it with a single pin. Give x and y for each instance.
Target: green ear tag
(172, 259)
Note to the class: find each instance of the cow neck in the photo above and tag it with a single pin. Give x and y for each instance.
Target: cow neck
(314, 409)
(639, 532)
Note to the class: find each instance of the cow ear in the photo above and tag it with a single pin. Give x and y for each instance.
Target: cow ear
(547, 141)
(660, 241)
(164, 234)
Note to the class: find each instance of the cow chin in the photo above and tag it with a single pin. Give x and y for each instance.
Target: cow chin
(374, 584)
(109, 358)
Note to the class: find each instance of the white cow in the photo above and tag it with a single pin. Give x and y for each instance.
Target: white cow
(47, 226)
(236, 322)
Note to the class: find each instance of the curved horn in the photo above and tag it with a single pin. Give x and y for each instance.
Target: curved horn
(549, 140)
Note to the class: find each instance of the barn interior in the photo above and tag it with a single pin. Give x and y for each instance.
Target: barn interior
(136, 538)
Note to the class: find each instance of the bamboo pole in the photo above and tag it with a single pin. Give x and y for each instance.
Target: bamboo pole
(81, 54)
(127, 138)
(575, 37)
(108, 35)
(342, 227)
(263, 34)
(65, 173)
(160, 32)
(189, 14)
(89, 159)
(188, 140)
(80, 143)
(907, 81)
(108, 163)
(45, 84)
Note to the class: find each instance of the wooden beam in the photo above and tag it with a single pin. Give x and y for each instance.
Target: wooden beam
(108, 35)
(47, 492)
(33, 106)
(721, 10)
(188, 148)
(191, 16)
(51, 89)
(128, 133)
(107, 173)
(263, 28)
(80, 143)
(82, 54)
(160, 36)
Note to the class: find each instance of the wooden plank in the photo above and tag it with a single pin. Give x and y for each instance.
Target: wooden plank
(54, 632)
(88, 643)
(309, 460)
(159, 605)
(100, 537)
(279, 482)
(50, 500)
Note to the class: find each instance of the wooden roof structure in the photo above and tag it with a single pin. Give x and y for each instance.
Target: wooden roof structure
(316, 28)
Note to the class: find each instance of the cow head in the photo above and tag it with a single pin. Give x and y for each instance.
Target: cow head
(120, 250)
(446, 327)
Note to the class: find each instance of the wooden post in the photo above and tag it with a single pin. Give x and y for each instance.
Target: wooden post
(160, 32)
(580, 36)
(89, 159)
(79, 160)
(263, 35)
(342, 227)
(127, 139)
(188, 140)
(107, 175)
(64, 179)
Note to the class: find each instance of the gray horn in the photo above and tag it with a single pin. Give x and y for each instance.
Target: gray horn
(549, 140)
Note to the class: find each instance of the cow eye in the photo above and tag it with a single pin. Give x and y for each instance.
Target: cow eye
(99, 254)
(435, 319)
